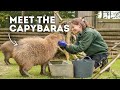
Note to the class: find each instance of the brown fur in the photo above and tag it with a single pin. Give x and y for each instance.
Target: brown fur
(7, 48)
(37, 51)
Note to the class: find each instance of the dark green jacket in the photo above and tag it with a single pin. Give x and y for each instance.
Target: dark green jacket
(90, 41)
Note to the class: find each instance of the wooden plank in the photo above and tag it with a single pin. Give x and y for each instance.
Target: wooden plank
(108, 29)
(110, 33)
(115, 52)
(6, 39)
(112, 41)
(111, 38)
(4, 28)
(21, 33)
(19, 36)
(108, 25)
(108, 20)
(30, 30)
(112, 44)
(117, 48)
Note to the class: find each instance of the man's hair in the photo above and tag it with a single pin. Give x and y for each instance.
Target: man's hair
(80, 21)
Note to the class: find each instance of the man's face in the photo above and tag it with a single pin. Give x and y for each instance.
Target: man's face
(75, 29)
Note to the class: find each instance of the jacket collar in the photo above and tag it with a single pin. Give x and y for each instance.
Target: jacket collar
(81, 33)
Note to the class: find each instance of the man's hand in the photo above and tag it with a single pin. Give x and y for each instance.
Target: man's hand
(62, 44)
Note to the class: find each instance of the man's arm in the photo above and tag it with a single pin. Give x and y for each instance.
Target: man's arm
(83, 44)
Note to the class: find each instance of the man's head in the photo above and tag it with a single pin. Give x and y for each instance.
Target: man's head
(77, 25)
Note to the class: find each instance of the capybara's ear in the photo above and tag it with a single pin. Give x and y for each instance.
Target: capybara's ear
(53, 37)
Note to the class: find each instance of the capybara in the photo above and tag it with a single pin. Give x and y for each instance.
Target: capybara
(37, 51)
(7, 49)
(8, 46)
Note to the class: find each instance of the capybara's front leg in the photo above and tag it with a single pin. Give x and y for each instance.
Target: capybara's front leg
(43, 69)
(6, 59)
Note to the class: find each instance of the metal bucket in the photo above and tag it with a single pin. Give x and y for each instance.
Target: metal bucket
(61, 69)
(83, 68)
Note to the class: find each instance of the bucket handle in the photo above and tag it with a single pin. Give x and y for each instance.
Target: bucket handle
(49, 63)
(84, 58)
(87, 57)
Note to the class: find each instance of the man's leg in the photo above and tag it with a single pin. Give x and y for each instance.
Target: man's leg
(96, 58)
(104, 62)
(100, 59)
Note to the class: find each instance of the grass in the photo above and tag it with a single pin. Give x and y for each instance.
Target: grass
(114, 73)
(12, 71)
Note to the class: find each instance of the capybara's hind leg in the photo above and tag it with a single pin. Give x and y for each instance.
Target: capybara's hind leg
(6, 59)
(43, 69)
(24, 71)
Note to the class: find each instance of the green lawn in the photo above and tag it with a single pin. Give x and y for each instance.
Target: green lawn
(12, 71)
(114, 68)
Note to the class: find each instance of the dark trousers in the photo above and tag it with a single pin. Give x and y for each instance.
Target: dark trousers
(100, 59)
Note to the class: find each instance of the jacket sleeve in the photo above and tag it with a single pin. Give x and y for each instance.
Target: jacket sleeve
(83, 44)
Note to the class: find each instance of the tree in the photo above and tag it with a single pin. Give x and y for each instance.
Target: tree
(5, 21)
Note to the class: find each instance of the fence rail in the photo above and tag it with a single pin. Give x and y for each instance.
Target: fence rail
(18, 35)
(111, 35)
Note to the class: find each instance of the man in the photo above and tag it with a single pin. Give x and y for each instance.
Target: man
(88, 40)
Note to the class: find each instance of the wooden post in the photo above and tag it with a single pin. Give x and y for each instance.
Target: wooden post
(89, 16)
(58, 18)
(56, 13)
(23, 13)
(67, 36)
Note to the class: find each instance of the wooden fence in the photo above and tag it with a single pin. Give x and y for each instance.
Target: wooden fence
(111, 35)
(18, 35)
